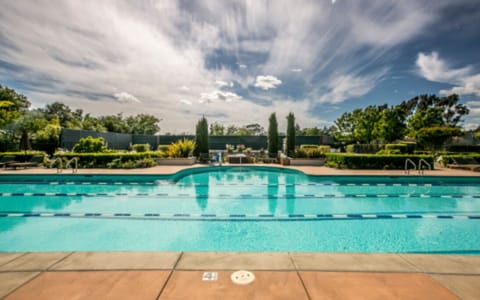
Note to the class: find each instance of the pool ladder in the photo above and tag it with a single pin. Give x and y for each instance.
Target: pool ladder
(59, 163)
(75, 167)
(420, 169)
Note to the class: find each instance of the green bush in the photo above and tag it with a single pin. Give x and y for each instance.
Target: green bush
(308, 146)
(363, 148)
(368, 161)
(309, 153)
(324, 149)
(131, 164)
(90, 145)
(141, 147)
(411, 146)
(181, 148)
(464, 148)
(22, 156)
(389, 152)
(402, 148)
(102, 160)
(448, 159)
(163, 148)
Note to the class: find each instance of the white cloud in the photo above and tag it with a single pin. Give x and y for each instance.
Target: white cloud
(267, 82)
(221, 83)
(217, 96)
(297, 70)
(185, 101)
(125, 97)
(78, 52)
(346, 86)
(435, 69)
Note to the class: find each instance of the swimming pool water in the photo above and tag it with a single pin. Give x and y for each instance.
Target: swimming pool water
(240, 209)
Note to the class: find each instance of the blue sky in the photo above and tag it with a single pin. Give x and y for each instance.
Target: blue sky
(236, 62)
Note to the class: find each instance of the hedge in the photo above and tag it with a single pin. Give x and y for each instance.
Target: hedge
(22, 156)
(448, 159)
(463, 148)
(102, 160)
(363, 148)
(369, 161)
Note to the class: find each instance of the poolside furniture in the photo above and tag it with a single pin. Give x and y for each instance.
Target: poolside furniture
(7, 159)
(465, 163)
(34, 162)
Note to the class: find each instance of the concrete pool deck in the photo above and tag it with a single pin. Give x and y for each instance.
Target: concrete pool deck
(180, 275)
(279, 275)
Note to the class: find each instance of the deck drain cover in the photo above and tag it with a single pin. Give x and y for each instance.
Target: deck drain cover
(242, 277)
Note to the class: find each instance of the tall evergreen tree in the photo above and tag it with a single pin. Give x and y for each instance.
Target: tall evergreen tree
(201, 139)
(290, 134)
(272, 135)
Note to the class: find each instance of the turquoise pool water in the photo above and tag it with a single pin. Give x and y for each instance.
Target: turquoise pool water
(240, 209)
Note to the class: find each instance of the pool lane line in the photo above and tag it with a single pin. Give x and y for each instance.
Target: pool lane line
(241, 196)
(226, 217)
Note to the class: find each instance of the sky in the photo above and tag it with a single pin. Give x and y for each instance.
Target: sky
(236, 62)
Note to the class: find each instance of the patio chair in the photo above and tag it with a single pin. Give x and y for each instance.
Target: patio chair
(7, 159)
(34, 162)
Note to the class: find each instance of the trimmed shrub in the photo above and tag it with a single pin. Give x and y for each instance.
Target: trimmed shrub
(308, 146)
(464, 148)
(141, 147)
(411, 146)
(309, 153)
(402, 148)
(448, 159)
(363, 148)
(102, 160)
(324, 149)
(163, 148)
(90, 145)
(368, 161)
(22, 156)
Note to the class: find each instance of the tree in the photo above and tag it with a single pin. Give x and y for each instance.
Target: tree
(365, 121)
(428, 117)
(232, 130)
(217, 129)
(67, 117)
(114, 123)
(201, 139)
(290, 134)
(391, 125)
(433, 138)
(12, 105)
(344, 128)
(142, 124)
(272, 135)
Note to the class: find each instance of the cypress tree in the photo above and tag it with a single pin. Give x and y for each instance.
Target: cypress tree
(201, 138)
(272, 135)
(290, 134)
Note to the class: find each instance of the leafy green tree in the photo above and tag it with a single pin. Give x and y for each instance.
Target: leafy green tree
(67, 117)
(201, 139)
(47, 138)
(217, 129)
(272, 135)
(142, 124)
(433, 138)
(12, 105)
(428, 117)
(93, 124)
(344, 128)
(365, 121)
(231, 130)
(114, 123)
(391, 125)
(291, 134)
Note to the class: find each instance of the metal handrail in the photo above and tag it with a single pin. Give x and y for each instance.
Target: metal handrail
(75, 169)
(59, 164)
(420, 169)
(408, 160)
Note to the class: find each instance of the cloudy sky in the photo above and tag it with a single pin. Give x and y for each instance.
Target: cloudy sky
(236, 62)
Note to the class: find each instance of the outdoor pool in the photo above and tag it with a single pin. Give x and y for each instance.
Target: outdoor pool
(240, 209)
